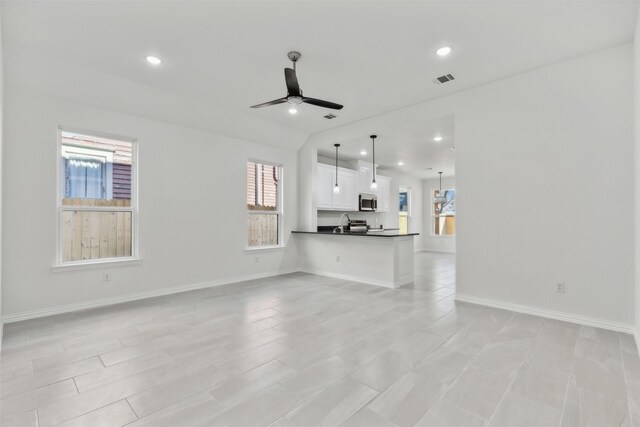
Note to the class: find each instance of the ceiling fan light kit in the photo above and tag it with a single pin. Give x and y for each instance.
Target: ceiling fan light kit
(294, 93)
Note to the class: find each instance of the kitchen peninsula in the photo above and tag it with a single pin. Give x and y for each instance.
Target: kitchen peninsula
(381, 258)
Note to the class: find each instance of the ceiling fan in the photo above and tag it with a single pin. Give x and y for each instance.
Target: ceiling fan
(294, 93)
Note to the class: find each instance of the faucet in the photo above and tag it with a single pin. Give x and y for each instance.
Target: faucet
(341, 228)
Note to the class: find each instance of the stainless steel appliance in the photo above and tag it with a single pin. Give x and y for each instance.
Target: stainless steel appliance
(368, 202)
(357, 226)
(353, 226)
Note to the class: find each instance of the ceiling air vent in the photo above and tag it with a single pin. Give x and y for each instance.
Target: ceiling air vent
(330, 116)
(443, 79)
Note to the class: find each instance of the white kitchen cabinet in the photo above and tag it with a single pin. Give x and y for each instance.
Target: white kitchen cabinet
(324, 186)
(338, 199)
(348, 186)
(326, 199)
(365, 176)
(384, 193)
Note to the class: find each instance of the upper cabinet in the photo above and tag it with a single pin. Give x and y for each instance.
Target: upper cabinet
(348, 189)
(365, 176)
(352, 183)
(324, 186)
(384, 193)
(326, 199)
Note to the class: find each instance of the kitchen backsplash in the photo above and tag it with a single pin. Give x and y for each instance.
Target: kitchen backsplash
(333, 218)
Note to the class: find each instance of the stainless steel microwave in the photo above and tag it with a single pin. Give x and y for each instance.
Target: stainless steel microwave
(368, 202)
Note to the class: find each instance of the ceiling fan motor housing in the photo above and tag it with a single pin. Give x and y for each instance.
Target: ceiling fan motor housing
(294, 56)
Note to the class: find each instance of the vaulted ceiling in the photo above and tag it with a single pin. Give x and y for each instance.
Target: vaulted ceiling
(373, 57)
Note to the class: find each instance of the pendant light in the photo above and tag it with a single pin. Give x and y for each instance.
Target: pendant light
(336, 189)
(374, 184)
(440, 199)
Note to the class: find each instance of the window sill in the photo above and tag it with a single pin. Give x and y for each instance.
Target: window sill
(86, 265)
(263, 248)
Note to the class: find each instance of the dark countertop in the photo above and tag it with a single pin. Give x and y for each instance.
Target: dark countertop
(386, 233)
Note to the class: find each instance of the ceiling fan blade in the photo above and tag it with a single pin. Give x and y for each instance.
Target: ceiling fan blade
(292, 82)
(274, 102)
(321, 103)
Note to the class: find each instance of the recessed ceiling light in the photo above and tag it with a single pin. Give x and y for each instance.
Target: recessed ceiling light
(437, 138)
(443, 51)
(154, 60)
(400, 163)
(363, 153)
(293, 110)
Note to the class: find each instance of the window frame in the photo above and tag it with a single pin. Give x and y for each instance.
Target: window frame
(279, 211)
(134, 258)
(409, 205)
(433, 214)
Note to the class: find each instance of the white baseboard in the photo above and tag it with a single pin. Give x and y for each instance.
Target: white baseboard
(445, 251)
(346, 277)
(551, 314)
(17, 317)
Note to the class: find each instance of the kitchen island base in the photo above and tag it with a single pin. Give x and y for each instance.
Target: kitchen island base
(380, 261)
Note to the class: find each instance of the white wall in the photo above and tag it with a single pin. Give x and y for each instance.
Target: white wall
(637, 175)
(549, 145)
(307, 169)
(432, 242)
(555, 146)
(1, 171)
(192, 206)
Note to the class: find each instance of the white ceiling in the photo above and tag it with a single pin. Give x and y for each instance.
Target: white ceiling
(373, 57)
(413, 145)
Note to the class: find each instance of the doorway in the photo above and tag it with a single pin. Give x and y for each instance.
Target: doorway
(404, 208)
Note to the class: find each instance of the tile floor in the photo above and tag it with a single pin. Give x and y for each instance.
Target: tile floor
(304, 350)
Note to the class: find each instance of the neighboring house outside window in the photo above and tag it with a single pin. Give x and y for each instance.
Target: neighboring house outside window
(264, 194)
(444, 215)
(85, 172)
(97, 204)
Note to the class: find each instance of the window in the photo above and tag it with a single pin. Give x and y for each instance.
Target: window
(444, 214)
(264, 188)
(403, 209)
(96, 198)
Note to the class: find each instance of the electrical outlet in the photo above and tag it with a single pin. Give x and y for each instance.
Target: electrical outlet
(337, 258)
(106, 277)
(255, 260)
(560, 287)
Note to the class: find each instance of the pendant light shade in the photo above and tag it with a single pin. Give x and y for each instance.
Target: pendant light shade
(440, 199)
(374, 184)
(336, 188)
